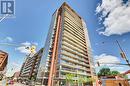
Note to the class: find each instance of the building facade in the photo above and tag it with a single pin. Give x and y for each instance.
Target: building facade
(30, 66)
(67, 48)
(16, 76)
(113, 81)
(3, 62)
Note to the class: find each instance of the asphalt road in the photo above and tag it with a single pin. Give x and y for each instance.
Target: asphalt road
(15, 84)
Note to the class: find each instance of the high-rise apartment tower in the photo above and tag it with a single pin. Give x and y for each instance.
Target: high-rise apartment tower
(67, 48)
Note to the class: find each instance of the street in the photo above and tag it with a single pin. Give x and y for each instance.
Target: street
(15, 84)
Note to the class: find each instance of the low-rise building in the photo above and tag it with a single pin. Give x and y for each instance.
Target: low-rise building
(112, 81)
(3, 62)
(16, 76)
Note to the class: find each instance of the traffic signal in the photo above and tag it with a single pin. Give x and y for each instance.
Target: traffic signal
(123, 55)
(98, 63)
(33, 49)
(27, 47)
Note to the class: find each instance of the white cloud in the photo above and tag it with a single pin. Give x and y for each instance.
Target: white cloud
(120, 68)
(26, 43)
(116, 17)
(35, 43)
(105, 59)
(23, 48)
(7, 39)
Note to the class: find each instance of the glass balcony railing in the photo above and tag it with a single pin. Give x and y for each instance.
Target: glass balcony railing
(72, 38)
(74, 52)
(71, 65)
(69, 16)
(72, 33)
(73, 56)
(75, 48)
(71, 48)
(80, 63)
(70, 59)
(77, 72)
(75, 29)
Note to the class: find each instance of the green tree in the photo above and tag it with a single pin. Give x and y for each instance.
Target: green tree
(81, 79)
(114, 73)
(104, 72)
(125, 76)
(69, 78)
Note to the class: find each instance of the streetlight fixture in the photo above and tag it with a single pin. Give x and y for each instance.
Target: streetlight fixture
(98, 63)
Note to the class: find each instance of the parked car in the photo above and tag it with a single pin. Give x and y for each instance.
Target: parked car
(11, 82)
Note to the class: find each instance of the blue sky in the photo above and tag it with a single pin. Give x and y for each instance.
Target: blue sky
(32, 20)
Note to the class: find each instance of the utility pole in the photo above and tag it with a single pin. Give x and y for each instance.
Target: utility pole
(122, 53)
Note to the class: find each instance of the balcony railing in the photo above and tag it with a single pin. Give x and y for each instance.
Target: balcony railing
(71, 65)
(73, 56)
